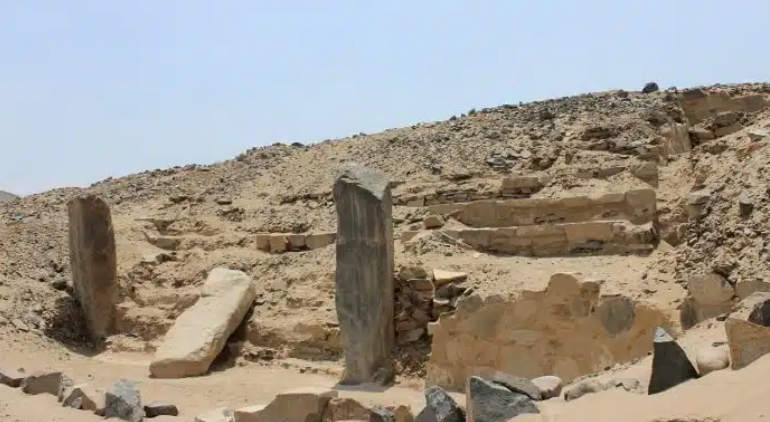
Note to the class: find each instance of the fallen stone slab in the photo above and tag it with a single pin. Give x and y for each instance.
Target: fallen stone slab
(670, 364)
(364, 274)
(517, 385)
(42, 382)
(441, 407)
(748, 334)
(11, 377)
(299, 405)
(441, 277)
(487, 401)
(124, 402)
(200, 333)
(222, 414)
(160, 408)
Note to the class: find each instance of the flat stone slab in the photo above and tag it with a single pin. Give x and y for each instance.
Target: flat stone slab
(200, 333)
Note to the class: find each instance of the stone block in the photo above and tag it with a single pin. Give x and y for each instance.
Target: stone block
(670, 364)
(278, 243)
(199, 334)
(319, 240)
(365, 267)
(94, 263)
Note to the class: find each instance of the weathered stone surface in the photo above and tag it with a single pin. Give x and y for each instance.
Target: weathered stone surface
(249, 413)
(710, 289)
(42, 382)
(10, 377)
(364, 275)
(200, 333)
(550, 386)
(403, 413)
(160, 408)
(85, 397)
(222, 414)
(433, 222)
(490, 402)
(340, 409)
(299, 405)
(711, 358)
(591, 386)
(441, 406)
(124, 402)
(670, 364)
(93, 263)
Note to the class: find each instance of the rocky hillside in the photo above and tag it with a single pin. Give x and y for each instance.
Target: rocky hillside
(700, 149)
(7, 196)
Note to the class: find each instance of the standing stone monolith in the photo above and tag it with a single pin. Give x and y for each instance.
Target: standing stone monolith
(364, 275)
(670, 364)
(93, 262)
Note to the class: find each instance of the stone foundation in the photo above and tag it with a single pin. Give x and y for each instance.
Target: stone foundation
(569, 329)
(291, 242)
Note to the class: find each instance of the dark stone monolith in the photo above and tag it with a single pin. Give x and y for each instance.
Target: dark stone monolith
(93, 262)
(670, 364)
(364, 275)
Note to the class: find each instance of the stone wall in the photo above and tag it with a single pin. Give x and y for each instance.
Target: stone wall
(292, 242)
(510, 188)
(699, 105)
(569, 329)
(637, 207)
(561, 239)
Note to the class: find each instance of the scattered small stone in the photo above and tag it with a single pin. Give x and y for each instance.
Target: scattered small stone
(222, 414)
(550, 386)
(42, 382)
(490, 402)
(20, 325)
(745, 205)
(757, 134)
(224, 201)
(381, 414)
(670, 364)
(124, 402)
(441, 277)
(433, 222)
(159, 408)
(62, 284)
(709, 359)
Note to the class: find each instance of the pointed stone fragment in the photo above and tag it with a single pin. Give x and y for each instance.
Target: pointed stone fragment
(670, 364)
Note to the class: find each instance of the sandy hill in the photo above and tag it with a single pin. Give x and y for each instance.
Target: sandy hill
(699, 151)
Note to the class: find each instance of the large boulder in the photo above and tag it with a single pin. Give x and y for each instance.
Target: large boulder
(124, 402)
(200, 333)
(487, 401)
(364, 276)
(93, 262)
(42, 382)
(440, 407)
(670, 364)
(299, 405)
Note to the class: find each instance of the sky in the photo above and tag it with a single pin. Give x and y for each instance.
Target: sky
(91, 88)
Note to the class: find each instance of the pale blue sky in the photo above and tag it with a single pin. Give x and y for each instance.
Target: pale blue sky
(95, 88)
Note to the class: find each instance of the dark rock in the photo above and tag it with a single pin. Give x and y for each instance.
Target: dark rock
(442, 406)
(517, 385)
(381, 414)
(159, 408)
(42, 382)
(124, 402)
(364, 276)
(491, 402)
(670, 365)
(650, 87)
(11, 377)
(93, 262)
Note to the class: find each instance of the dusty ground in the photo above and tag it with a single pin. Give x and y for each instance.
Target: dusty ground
(214, 211)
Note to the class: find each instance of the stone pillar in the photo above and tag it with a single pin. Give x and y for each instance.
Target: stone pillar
(93, 262)
(364, 275)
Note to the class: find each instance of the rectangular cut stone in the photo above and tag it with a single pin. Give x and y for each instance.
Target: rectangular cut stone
(199, 334)
(364, 275)
(93, 262)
